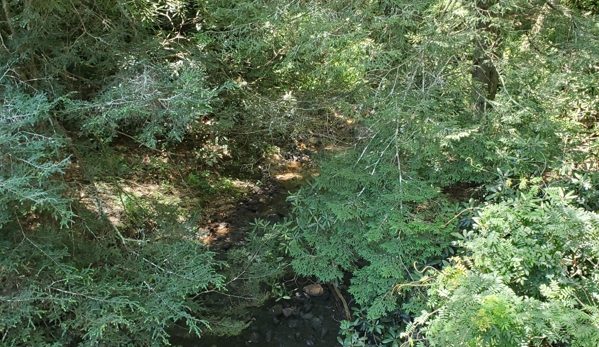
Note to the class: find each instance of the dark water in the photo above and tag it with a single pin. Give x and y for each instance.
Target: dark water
(299, 321)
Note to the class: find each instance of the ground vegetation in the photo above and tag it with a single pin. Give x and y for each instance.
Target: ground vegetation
(456, 142)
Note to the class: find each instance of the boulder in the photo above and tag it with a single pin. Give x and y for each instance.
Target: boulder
(314, 290)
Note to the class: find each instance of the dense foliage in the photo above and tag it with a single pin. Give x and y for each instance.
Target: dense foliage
(483, 100)
(529, 277)
(459, 202)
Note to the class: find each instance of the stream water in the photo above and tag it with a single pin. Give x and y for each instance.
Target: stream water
(301, 320)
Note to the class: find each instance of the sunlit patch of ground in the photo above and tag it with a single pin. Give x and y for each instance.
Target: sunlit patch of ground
(98, 198)
(112, 199)
(289, 176)
(216, 232)
(139, 178)
(243, 185)
(291, 173)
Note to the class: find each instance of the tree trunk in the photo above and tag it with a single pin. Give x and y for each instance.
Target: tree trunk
(485, 77)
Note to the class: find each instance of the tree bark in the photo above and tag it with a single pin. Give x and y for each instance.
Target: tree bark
(485, 77)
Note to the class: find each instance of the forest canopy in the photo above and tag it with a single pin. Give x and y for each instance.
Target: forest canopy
(456, 145)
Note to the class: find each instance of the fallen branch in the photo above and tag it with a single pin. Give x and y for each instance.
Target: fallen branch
(342, 299)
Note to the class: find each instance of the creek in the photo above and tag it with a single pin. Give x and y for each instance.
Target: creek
(300, 320)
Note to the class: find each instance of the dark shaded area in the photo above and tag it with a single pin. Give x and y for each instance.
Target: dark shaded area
(300, 321)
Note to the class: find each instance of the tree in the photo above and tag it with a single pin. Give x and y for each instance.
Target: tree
(486, 46)
(380, 206)
(69, 276)
(436, 97)
(527, 278)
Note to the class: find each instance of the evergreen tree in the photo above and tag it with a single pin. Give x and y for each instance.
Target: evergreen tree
(498, 98)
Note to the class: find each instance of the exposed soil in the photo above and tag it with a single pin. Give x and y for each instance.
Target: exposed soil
(228, 220)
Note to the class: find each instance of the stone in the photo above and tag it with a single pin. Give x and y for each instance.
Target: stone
(314, 290)
(317, 323)
(293, 324)
(268, 336)
(273, 218)
(288, 312)
(254, 337)
(306, 316)
(275, 311)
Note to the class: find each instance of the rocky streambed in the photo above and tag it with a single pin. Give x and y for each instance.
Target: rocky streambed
(311, 314)
(310, 317)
